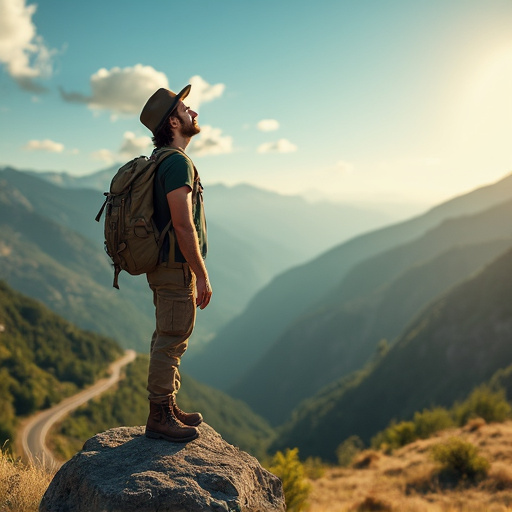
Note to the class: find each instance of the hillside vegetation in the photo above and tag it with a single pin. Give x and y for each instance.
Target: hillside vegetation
(411, 480)
(43, 358)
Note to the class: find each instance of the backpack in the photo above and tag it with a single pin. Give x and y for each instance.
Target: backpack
(131, 238)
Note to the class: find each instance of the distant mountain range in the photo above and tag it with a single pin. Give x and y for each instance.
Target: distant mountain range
(459, 341)
(376, 300)
(331, 278)
(53, 251)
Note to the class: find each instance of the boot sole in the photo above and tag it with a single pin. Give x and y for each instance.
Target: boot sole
(158, 435)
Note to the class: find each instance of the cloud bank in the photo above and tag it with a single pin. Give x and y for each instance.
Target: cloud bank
(131, 146)
(44, 145)
(211, 142)
(124, 91)
(120, 90)
(202, 92)
(279, 146)
(23, 52)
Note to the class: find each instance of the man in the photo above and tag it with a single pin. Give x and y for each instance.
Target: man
(180, 281)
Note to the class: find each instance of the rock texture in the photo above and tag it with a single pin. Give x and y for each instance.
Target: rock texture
(120, 470)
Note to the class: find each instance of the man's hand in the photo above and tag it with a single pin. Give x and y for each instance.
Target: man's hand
(204, 292)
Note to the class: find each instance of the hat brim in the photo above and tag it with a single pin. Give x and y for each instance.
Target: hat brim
(180, 96)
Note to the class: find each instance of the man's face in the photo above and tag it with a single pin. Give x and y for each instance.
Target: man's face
(188, 120)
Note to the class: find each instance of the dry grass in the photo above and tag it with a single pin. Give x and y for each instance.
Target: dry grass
(21, 485)
(406, 480)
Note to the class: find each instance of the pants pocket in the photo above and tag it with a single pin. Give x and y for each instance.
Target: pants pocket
(175, 316)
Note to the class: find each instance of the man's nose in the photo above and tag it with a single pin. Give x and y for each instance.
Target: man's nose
(193, 114)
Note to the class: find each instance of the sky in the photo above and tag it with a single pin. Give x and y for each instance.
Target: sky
(361, 101)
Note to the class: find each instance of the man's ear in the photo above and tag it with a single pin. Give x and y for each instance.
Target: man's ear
(174, 122)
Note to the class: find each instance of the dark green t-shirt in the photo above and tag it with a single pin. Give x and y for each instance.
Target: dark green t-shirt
(175, 171)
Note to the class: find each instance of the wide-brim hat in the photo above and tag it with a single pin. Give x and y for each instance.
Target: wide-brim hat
(160, 106)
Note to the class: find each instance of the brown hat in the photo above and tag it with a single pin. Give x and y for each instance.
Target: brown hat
(160, 106)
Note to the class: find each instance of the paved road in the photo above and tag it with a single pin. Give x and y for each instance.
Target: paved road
(34, 430)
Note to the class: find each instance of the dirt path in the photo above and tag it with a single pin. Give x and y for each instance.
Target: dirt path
(32, 435)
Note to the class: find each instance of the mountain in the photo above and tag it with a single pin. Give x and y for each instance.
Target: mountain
(99, 181)
(48, 261)
(288, 229)
(250, 241)
(376, 300)
(43, 358)
(53, 251)
(296, 292)
(458, 342)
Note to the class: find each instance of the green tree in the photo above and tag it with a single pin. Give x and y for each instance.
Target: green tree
(290, 470)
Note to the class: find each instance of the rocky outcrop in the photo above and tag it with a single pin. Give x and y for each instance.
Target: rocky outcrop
(120, 470)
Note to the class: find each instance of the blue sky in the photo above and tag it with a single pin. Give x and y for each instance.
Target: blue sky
(362, 101)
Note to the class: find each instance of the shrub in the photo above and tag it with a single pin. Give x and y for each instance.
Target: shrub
(347, 450)
(289, 469)
(459, 461)
(396, 435)
(430, 421)
(483, 402)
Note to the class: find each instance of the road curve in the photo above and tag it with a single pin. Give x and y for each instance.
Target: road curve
(32, 435)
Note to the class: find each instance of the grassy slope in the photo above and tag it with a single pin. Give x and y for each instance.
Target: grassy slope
(403, 481)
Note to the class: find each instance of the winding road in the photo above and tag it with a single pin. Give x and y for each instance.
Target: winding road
(32, 435)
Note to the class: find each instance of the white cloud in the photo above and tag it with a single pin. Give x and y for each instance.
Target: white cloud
(202, 92)
(105, 155)
(268, 125)
(279, 146)
(133, 146)
(125, 90)
(122, 91)
(21, 49)
(211, 142)
(44, 145)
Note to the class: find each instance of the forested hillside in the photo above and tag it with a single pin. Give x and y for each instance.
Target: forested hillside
(459, 341)
(377, 300)
(242, 342)
(43, 358)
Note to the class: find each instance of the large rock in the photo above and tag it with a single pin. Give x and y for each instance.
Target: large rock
(120, 470)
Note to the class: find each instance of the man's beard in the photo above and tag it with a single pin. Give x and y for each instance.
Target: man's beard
(189, 129)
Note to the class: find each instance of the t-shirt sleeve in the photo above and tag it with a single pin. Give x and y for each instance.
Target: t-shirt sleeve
(175, 172)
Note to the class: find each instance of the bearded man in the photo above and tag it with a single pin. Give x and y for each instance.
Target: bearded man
(180, 281)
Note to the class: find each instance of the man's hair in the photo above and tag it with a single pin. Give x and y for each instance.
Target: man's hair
(164, 136)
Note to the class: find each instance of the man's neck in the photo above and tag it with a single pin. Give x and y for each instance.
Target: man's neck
(180, 142)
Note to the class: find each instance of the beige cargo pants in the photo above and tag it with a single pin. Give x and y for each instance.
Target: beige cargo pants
(173, 286)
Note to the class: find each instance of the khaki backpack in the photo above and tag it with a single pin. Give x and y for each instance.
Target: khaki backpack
(131, 238)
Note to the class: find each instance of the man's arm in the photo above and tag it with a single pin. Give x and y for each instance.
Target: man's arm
(180, 205)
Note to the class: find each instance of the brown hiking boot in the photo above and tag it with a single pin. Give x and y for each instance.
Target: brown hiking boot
(193, 419)
(163, 424)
